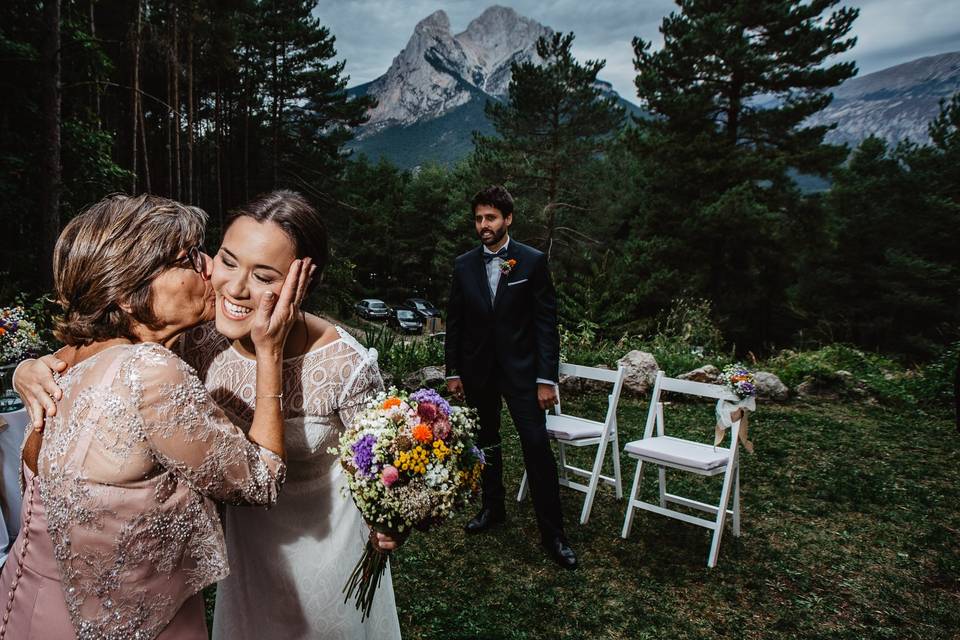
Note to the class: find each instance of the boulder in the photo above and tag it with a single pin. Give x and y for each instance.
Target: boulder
(641, 372)
(572, 385)
(815, 388)
(770, 387)
(707, 373)
(432, 377)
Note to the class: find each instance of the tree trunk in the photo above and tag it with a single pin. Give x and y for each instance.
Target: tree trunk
(190, 26)
(246, 135)
(135, 96)
(175, 61)
(143, 144)
(50, 181)
(218, 106)
(95, 97)
(275, 107)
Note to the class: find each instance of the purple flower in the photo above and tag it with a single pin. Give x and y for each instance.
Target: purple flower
(431, 396)
(363, 454)
(478, 454)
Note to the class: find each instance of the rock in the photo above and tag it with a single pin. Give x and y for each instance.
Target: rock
(432, 377)
(811, 387)
(770, 387)
(641, 372)
(572, 385)
(707, 373)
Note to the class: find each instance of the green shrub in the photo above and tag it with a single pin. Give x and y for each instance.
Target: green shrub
(875, 374)
(398, 357)
(932, 385)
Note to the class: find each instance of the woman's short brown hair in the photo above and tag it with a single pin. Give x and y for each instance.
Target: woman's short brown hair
(297, 218)
(108, 256)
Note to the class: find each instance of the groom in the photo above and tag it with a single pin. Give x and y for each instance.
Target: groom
(502, 344)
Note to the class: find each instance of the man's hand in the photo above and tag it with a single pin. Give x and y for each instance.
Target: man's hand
(455, 387)
(546, 395)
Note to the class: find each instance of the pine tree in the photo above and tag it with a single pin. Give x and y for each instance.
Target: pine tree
(555, 121)
(310, 112)
(728, 94)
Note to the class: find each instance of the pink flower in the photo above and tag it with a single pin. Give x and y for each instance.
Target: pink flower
(441, 428)
(389, 476)
(427, 411)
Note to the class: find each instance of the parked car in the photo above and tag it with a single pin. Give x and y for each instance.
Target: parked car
(405, 320)
(372, 309)
(422, 307)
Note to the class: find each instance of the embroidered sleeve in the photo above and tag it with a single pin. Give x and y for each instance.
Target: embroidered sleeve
(363, 382)
(192, 436)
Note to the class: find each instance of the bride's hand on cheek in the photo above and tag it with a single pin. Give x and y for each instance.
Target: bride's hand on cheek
(275, 314)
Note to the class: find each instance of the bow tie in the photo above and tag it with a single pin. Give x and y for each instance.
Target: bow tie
(502, 254)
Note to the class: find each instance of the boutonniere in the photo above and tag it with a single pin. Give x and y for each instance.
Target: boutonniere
(506, 266)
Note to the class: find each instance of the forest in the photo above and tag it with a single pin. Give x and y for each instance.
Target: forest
(212, 102)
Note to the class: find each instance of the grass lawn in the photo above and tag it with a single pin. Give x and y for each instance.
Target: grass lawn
(850, 530)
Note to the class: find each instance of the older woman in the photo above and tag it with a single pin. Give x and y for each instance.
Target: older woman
(119, 533)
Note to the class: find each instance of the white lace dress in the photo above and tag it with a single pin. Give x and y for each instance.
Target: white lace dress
(288, 565)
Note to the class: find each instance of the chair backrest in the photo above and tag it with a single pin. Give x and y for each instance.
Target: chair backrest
(595, 373)
(686, 387)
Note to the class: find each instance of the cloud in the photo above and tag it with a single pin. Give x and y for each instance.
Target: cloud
(370, 33)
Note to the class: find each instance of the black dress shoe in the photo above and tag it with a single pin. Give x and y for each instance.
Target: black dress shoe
(560, 551)
(485, 519)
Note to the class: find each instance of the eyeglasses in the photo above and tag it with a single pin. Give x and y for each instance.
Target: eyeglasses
(194, 259)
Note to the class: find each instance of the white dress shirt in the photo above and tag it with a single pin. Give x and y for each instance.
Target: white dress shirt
(493, 269)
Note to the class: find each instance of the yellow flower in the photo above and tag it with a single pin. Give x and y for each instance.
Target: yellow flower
(440, 450)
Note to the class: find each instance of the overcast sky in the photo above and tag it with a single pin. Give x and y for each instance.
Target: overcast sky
(371, 32)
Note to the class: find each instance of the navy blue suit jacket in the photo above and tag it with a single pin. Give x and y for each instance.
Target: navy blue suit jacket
(515, 334)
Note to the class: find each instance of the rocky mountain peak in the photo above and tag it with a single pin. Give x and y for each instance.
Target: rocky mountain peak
(438, 71)
(438, 21)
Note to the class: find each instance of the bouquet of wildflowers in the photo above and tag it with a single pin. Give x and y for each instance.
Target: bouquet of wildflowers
(19, 338)
(739, 379)
(410, 462)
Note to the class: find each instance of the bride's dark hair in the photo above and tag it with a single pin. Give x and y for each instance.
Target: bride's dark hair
(302, 223)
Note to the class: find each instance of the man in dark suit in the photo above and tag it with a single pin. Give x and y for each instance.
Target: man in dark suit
(502, 343)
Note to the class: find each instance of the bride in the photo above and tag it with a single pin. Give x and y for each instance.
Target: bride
(288, 565)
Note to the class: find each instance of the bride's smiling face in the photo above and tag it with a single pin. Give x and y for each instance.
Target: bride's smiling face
(253, 259)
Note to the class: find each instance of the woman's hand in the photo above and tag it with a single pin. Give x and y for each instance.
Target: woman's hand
(387, 542)
(275, 316)
(37, 388)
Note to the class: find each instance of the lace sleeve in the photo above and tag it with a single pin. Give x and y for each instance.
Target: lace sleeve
(357, 389)
(192, 436)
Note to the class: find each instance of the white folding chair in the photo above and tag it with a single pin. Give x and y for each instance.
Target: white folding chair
(695, 457)
(573, 431)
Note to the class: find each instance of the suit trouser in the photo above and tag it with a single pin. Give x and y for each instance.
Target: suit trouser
(541, 466)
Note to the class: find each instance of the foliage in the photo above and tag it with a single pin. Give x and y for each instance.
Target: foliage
(399, 357)
(729, 92)
(554, 122)
(882, 276)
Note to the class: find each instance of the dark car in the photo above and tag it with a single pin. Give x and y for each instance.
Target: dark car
(423, 307)
(405, 320)
(372, 309)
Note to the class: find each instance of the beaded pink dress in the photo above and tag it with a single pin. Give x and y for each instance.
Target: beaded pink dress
(119, 532)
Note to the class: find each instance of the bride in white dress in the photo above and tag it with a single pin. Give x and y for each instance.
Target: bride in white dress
(288, 565)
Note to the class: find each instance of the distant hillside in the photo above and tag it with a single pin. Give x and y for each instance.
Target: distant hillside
(895, 104)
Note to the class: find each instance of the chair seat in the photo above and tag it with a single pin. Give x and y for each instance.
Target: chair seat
(682, 452)
(571, 428)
